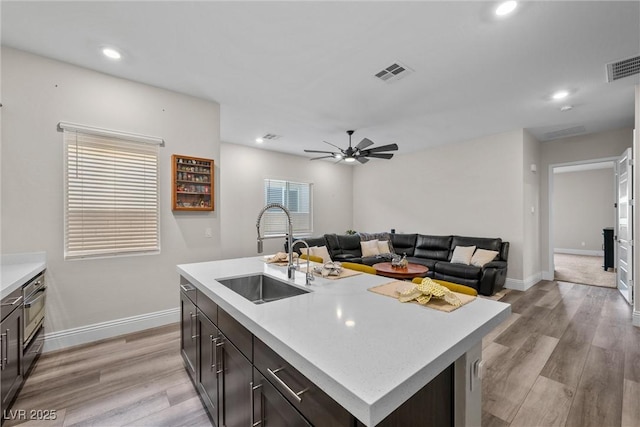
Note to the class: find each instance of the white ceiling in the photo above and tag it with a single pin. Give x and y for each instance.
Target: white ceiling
(305, 70)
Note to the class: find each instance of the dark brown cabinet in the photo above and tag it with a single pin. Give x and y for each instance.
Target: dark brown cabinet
(11, 355)
(235, 408)
(209, 364)
(188, 333)
(270, 408)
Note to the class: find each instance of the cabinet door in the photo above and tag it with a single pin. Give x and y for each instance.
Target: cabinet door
(270, 408)
(188, 333)
(208, 366)
(11, 355)
(235, 408)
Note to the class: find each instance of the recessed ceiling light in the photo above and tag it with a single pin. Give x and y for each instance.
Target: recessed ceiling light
(561, 94)
(506, 8)
(259, 140)
(566, 108)
(111, 53)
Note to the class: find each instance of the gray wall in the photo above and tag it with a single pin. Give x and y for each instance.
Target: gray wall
(242, 173)
(583, 206)
(37, 93)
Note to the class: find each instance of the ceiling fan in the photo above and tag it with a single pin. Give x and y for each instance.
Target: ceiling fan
(360, 152)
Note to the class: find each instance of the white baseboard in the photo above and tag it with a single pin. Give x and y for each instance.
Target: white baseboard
(523, 285)
(98, 331)
(578, 252)
(636, 318)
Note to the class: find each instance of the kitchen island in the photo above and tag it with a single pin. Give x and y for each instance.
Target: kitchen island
(367, 352)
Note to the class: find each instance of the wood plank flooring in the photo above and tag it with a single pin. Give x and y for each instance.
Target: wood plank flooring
(567, 356)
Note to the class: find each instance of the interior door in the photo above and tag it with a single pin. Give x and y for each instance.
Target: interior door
(624, 245)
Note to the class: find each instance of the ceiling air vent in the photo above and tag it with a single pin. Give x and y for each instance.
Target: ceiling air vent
(271, 137)
(394, 72)
(623, 68)
(563, 133)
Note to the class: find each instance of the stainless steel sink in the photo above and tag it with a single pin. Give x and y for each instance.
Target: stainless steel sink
(261, 288)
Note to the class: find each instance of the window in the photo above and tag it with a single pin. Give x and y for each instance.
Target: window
(296, 197)
(111, 194)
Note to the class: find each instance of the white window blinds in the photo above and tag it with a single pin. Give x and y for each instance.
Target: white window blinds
(295, 196)
(111, 196)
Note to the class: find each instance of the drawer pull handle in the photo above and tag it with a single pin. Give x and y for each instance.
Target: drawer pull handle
(252, 389)
(187, 288)
(293, 394)
(193, 336)
(14, 302)
(220, 344)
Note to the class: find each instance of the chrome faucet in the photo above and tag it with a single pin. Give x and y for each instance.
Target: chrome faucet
(309, 276)
(291, 269)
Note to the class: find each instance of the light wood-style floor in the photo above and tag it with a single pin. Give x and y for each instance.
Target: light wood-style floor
(567, 356)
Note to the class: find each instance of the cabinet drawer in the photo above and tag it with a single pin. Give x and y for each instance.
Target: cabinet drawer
(33, 351)
(208, 307)
(236, 333)
(313, 403)
(11, 302)
(188, 290)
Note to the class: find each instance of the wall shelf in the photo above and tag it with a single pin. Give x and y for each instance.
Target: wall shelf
(191, 183)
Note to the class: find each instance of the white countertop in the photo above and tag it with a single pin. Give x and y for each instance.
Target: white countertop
(368, 352)
(17, 269)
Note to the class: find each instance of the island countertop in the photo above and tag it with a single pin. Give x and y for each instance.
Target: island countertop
(369, 352)
(17, 269)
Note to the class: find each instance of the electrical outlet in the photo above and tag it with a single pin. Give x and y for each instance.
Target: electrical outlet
(208, 232)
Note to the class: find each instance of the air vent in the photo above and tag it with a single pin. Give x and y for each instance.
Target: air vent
(563, 133)
(394, 72)
(271, 137)
(623, 68)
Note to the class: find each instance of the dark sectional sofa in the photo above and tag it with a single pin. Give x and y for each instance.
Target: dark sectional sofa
(433, 252)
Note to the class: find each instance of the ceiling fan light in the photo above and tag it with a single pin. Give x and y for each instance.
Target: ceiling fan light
(350, 159)
(337, 156)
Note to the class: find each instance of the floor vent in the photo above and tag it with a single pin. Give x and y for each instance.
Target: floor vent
(271, 137)
(394, 72)
(623, 68)
(563, 133)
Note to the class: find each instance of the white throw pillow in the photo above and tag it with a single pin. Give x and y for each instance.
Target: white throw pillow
(370, 248)
(303, 250)
(383, 247)
(462, 254)
(482, 257)
(322, 252)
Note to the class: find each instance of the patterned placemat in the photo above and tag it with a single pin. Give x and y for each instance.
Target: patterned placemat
(389, 290)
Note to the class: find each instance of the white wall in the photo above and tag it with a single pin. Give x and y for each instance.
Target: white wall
(580, 148)
(244, 168)
(531, 272)
(37, 93)
(636, 213)
(583, 206)
(472, 188)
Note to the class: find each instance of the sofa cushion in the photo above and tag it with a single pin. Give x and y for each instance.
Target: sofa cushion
(482, 256)
(369, 248)
(429, 263)
(462, 254)
(349, 244)
(470, 272)
(432, 247)
(333, 245)
(403, 243)
(479, 242)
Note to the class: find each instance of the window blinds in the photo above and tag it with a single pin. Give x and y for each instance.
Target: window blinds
(296, 197)
(111, 196)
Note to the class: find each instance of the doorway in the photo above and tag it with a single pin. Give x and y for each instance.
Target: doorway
(582, 197)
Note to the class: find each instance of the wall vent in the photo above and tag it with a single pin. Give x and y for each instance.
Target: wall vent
(394, 72)
(563, 133)
(623, 68)
(271, 137)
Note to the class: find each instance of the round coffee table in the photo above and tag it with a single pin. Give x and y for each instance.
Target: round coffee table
(409, 272)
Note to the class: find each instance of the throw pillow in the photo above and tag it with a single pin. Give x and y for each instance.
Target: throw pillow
(462, 254)
(322, 252)
(384, 236)
(482, 257)
(303, 250)
(369, 248)
(383, 247)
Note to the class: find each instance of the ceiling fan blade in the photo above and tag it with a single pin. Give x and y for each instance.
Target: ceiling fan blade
(318, 151)
(389, 147)
(362, 159)
(323, 157)
(380, 155)
(366, 142)
(334, 145)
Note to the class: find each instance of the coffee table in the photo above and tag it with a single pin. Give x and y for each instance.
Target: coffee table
(409, 272)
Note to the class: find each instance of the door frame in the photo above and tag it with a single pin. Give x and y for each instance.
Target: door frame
(550, 274)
